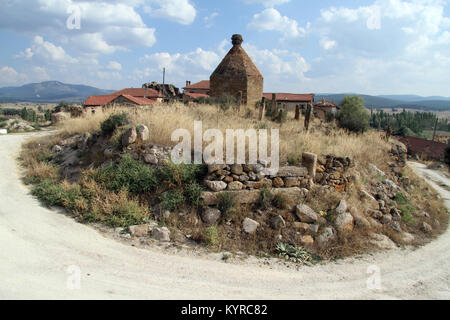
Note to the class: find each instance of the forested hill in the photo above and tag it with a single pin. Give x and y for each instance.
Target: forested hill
(398, 102)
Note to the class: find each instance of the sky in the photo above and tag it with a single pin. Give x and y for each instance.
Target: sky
(300, 46)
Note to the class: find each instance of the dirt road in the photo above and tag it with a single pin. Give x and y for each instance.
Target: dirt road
(38, 248)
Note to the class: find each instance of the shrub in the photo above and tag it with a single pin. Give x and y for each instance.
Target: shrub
(265, 198)
(50, 192)
(406, 208)
(116, 120)
(128, 174)
(211, 236)
(173, 199)
(116, 209)
(353, 115)
(295, 254)
(226, 204)
(279, 201)
(193, 193)
(178, 175)
(227, 101)
(447, 155)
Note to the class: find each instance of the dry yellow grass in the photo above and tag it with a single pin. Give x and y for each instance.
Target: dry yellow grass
(164, 119)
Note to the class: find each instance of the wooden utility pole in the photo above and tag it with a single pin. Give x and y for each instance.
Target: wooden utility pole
(164, 76)
(435, 127)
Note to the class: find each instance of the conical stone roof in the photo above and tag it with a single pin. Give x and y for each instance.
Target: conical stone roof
(236, 75)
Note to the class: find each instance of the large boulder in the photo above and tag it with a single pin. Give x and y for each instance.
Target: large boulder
(325, 237)
(129, 137)
(250, 225)
(142, 133)
(278, 222)
(342, 207)
(292, 172)
(344, 222)
(60, 117)
(139, 230)
(161, 234)
(216, 185)
(306, 214)
(210, 216)
(381, 241)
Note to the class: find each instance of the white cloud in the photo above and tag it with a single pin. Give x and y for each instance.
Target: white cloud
(46, 51)
(267, 3)
(181, 11)
(116, 25)
(387, 46)
(114, 65)
(327, 44)
(209, 20)
(271, 20)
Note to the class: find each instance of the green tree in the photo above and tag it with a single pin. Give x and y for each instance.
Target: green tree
(353, 115)
(447, 155)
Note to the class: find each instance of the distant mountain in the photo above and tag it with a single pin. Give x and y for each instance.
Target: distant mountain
(398, 102)
(414, 98)
(49, 91)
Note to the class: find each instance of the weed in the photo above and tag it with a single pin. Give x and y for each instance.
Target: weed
(226, 204)
(279, 201)
(211, 236)
(114, 121)
(265, 198)
(293, 253)
(193, 193)
(173, 199)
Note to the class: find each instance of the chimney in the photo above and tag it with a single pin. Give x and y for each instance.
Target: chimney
(188, 83)
(237, 40)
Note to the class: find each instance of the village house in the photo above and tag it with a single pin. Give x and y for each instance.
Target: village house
(193, 92)
(324, 108)
(127, 96)
(289, 101)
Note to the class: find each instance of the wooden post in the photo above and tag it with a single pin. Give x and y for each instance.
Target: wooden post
(273, 108)
(308, 116)
(262, 109)
(297, 112)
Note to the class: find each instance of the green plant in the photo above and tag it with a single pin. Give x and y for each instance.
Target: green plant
(353, 115)
(193, 193)
(295, 254)
(293, 160)
(114, 121)
(128, 174)
(279, 201)
(173, 199)
(265, 198)
(226, 204)
(406, 208)
(211, 236)
(50, 192)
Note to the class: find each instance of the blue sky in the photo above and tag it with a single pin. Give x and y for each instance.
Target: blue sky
(370, 47)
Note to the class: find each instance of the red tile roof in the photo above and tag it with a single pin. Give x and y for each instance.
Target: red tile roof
(291, 97)
(137, 100)
(98, 100)
(434, 150)
(199, 85)
(139, 92)
(196, 95)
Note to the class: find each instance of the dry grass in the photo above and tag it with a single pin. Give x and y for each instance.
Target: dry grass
(163, 120)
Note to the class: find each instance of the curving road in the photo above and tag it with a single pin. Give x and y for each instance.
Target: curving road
(38, 247)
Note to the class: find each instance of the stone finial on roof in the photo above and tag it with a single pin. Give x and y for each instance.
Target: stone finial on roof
(237, 39)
